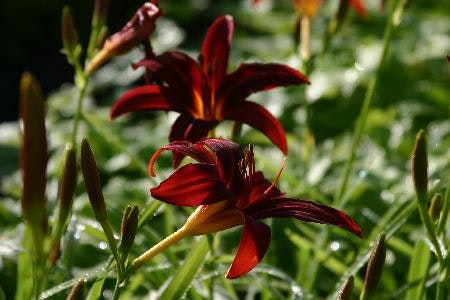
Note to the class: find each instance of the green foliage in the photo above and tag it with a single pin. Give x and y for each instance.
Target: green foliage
(304, 261)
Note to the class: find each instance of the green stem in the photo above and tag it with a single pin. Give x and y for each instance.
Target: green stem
(117, 290)
(429, 226)
(81, 81)
(362, 119)
(445, 212)
(113, 246)
(338, 201)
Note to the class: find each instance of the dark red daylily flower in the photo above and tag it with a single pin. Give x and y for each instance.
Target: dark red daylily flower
(229, 192)
(204, 94)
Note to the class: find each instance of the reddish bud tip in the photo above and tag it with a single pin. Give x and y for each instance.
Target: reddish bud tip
(128, 229)
(420, 166)
(374, 268)
(437, 203)
(92, 182)
(69, 32)
(346, 289)
(33, 156)
(77, 291)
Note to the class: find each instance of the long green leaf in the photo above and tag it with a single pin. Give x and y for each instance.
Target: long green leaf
(24, 272)
(418, 269)
(183, 279)
(96, 290)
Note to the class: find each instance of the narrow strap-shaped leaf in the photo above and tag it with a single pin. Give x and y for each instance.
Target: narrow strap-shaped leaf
(96, 290)
(183, 279)
(418, 269)
(24, 281)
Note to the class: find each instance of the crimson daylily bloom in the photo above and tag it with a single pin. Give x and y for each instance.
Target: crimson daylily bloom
(229, 192)
(204, 94)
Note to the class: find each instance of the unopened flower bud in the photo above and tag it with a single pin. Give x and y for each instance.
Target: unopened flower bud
(69, 32)
(374, 268)
(132, 34)
(92, 182)
(128, 229)
(77, 291)
(346, 289)
(437, 203)
(307, 8)
(66, 190)
(33, 153)
(100, 13)
(67, 184)
(420, 166)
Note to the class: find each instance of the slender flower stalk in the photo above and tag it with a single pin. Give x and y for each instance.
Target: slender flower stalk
(392, 23)
(394, 17)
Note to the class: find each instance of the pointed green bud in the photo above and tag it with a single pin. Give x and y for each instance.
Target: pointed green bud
(92, 182)
(77, 291)
(128, 230)
(33, 153)
(420, 167)
(345, 292)
(66, 190)
(69, 33)
(67, 184)
(437, 203)
(374, 268)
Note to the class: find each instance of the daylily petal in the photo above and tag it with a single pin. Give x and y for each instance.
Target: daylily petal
(303, 210)
(261, 119)
(359, 7)
(181, 79)
(216, 50)
(195, 151)
(254, 243)
(147, 97)
(191, 185)
(189, 129)
(255, 77)
(258, 185)
(228, 154)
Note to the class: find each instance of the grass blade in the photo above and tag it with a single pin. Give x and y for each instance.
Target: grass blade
(418, 270)
(183, 279)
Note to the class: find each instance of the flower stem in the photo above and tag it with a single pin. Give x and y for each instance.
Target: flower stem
(339, 200)
(305, 38)
(81, 81)
(368, 98)
(168, 241)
